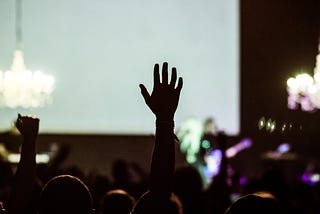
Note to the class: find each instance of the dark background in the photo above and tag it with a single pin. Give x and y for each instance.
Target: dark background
(278, 39)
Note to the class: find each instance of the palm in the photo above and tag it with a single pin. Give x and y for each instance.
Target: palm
(164, 98)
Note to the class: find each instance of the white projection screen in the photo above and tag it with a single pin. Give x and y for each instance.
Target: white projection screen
(100, 50)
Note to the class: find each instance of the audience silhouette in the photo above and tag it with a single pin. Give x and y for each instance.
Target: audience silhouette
(117, 202)
(65, 194)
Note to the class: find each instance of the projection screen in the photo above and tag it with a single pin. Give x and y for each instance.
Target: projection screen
(99, 51)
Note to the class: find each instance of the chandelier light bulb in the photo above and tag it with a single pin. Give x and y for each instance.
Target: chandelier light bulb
(304, 90)
(20, 87)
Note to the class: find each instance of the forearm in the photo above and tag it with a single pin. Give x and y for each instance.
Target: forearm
(27, 166)
(24, 178)
(163, 159)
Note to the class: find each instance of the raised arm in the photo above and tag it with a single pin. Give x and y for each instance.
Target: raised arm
(24, 178)
(163, 102)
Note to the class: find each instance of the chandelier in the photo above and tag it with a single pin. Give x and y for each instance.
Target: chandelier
(304, 90)
(20, 87)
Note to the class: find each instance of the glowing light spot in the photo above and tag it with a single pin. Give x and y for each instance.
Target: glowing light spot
(283, 148)
(242, 145)
(205, 144)
(213, 163)
(272, 126)
(312, 89)
(283, 128)
(292, 83)
(243, 180)
(269, 123)
(317, 75)
(231, 152)
(40, 158)
(315, 178)
(304, 79)
(191, 159)
(261, 123)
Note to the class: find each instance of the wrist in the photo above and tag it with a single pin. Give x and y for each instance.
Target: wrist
(30, 138)
(165, 117)
(165, 123)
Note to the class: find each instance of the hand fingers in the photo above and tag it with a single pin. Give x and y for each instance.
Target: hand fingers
(173, 77)
(165, 73)
(180, 83)
(156, 75)
(19, 120)
(144, 93)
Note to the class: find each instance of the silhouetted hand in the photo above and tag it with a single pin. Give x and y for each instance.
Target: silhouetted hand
(28, 126)
(164, 99)
(24, 178)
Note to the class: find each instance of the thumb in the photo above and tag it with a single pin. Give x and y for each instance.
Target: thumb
(144, 93)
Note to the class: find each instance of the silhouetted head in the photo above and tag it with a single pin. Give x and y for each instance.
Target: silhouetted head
(147, 204)
(254, 204)
(65, 194)
(120, 171)
(117, 202)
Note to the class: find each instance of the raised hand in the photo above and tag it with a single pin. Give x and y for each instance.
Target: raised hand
(28, 126)
(24, 179)
(164, 98)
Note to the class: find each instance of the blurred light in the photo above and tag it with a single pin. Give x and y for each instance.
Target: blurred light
(20, 87)
(231, 152)
(304, 90)
(283, 128)
(205, 144)
(189, 135)
(242, 145)
(315, 178)
(270, 125)
(273, 126)
(265, 194)
(310, 178)
(283, 148)
(261, 123)
(290, 125)
(243, 180)
(213, 161)
(40, 158)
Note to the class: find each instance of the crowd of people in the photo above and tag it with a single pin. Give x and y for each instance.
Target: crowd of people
(47, 189)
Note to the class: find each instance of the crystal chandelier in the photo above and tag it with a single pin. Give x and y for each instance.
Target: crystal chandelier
(20, 87)
(304, 90)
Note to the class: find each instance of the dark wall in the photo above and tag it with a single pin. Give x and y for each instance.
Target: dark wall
(278, 39)
(95, 153)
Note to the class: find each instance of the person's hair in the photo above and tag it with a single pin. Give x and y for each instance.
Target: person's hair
(65, 194)
(252, 203)
(117, 202)
(148, 204)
